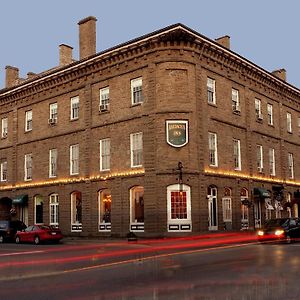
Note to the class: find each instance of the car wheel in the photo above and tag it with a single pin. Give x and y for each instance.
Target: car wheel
(18, 240)
(288, 239)
(36, 240)
(1, 239)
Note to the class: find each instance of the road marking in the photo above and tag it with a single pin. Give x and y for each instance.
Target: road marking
(22, 253)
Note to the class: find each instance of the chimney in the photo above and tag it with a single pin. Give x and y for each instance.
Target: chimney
(65, 55)
(12, 76)
(281, 74)
(87, 37)
(224, 41)
(30, 75)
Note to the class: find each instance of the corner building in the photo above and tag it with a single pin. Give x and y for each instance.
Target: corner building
(170, 133)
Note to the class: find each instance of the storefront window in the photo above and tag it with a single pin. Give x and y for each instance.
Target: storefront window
(137, 204)
(76, 210)
(104, 206)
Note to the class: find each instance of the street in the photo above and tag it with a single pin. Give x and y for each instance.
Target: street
(222, 267)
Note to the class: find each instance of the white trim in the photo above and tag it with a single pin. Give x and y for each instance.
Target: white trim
(131, 149)
(74, 100)
(227, 208)
(270, 113)
(272, 164)
(136, 82)
(215, 140)
(101, 143)
(71, 159)
(55, 204)
(28, 117)
(4, 127)
(50, 165)
(4, 162)
(25, 167)
(186, 131)
(237, 143)
(289, 122)
(211, 201)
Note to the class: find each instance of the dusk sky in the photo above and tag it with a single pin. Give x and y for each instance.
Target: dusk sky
(265, 32)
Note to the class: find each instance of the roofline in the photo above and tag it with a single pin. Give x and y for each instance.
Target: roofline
(145, 38)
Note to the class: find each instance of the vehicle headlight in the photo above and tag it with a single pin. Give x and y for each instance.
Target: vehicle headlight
(279, 232)
(260, 233)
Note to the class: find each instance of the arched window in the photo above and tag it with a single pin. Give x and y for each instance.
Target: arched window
(38, 209)
(244, 208)
(54, 209)
(137, 208)
(104, 200)
(227, 192)
(76, 211)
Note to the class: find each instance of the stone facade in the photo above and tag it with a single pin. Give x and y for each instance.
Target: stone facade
(174, 64)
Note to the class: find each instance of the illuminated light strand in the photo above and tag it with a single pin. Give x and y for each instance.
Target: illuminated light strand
(71, 180)
(248, 176)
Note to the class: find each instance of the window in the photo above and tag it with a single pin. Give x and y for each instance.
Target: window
(211, 91)
(137, 204)
(244, 209)
(75, 108)
(290, 165)
(136, 149)
(272, 161)
(104, 99)
(76, 211)
(52, 162)
(288, 199)
(259, 158)
(38, 209)
(136, 91)
(212, 197)
(258, 112)
(105, 155)
(3, 171)
(104, 198)
(4, 128)
(28, 167)
(28, 120)
(235, 100)
(212, 146)
(74, 159)
(270, 114)
(289, 122)
(53, 113)
(54, 209)
(237, 154)
(227, 210)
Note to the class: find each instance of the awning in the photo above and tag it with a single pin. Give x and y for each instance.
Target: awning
(263, 193)
(21, 199)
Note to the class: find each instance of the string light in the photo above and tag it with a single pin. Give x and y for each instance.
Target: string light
(248, 176)
(72, 180)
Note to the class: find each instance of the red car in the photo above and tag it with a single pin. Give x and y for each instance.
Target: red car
(39, 233)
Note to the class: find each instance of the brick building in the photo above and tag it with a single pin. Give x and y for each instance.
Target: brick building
(169, 133)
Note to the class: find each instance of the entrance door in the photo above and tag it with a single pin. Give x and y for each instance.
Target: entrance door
(257, 214)
(212, 209)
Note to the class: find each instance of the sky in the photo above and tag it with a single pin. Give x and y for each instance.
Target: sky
(264, 31)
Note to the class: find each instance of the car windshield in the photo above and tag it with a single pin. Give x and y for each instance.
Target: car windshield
(276, 222)
(3, 224)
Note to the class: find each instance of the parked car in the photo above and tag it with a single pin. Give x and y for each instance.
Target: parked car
(39, 233)
(283, 229)
(8, 229)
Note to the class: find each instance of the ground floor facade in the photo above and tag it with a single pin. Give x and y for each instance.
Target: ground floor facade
(151, 205)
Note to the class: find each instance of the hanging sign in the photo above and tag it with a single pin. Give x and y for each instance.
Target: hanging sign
(177, 133)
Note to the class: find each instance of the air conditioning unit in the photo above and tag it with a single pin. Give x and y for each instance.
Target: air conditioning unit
(52, 121)
(104, 107)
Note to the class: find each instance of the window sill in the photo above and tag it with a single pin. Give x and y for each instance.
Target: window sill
(136, 167)
(136, 104)
(212, 104)
(290, 132)
(28, 180)
(74, 174)
(104, 112)
(26, 131)
(75, 119)
(259, 120)
(271, 125)
(236, 112)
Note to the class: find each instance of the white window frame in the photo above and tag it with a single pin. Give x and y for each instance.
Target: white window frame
(28, 167)
(235, 99)
(270, 114)
(179, 225)
(259, 158)
(104, 146)
(237, 154)
(136, 149)
(53, 163)
(291, 165)
(3, 171)
(54, 210)
(272, 163)
(104, 99)
(258, 111)
(53, 113)
(28, 120)
(136, 91)
(213, 149)
(227, 209)
(74, 108)
(289, 122)
(74, 161)
(211, 91)
(4, 127)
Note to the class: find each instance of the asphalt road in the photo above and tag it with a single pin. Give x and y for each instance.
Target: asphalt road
(212, 268)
